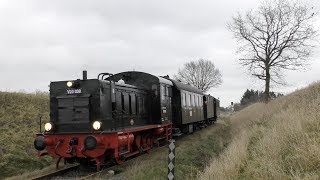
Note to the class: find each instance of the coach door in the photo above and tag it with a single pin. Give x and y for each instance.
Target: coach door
(166, 94)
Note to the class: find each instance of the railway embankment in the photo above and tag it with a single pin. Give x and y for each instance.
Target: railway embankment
(19, 114)
(278, 140)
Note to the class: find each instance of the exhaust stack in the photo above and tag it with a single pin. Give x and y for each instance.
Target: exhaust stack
(84, 75)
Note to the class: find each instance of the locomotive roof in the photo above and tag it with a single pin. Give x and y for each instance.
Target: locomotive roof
(186, 87)
(138, 78)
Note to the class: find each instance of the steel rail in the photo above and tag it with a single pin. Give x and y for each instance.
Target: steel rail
(57, 172)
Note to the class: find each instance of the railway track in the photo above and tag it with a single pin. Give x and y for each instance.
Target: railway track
(105, 173)
(116, 168)
(72, 172)
(57, 172)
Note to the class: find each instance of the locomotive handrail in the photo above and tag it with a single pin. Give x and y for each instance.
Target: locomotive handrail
(40, 123)
(104, 74)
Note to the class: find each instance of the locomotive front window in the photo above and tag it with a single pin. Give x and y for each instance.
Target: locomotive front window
(73, 109)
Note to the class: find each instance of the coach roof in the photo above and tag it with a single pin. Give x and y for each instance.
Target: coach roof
(186, 87)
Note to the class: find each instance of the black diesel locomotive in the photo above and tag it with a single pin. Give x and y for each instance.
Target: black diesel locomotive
(117, 116)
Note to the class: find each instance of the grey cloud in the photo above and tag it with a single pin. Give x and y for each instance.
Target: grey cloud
(43, 41)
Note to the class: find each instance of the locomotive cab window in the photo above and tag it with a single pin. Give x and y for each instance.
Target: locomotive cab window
(132, 103)
(130, 106)
(119, 101)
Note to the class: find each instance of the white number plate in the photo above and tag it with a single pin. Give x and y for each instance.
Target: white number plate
(74, 91)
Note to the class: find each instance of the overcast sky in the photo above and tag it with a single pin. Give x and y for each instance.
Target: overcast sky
(45, 40)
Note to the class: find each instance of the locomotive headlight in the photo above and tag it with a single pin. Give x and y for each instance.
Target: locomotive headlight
(69, 84)
(48, 126)
(96, 125)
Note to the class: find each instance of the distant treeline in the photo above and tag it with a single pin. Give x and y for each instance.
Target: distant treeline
(249, 97)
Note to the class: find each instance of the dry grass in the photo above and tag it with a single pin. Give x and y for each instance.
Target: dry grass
(278, 140)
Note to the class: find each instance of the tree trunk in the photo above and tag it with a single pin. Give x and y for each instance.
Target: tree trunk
(267, 87)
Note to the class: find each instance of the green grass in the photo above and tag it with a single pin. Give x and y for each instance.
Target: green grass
(19, 114)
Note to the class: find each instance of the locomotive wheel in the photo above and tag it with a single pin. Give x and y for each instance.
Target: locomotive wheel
(85, 164)
(120, 160)
(149, 144)
(69, 160)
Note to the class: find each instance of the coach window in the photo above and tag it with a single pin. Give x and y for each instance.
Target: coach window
(196, 100)
(167, 91)
(183, 99)
(187, 99)
(162, 91)
(193, 103)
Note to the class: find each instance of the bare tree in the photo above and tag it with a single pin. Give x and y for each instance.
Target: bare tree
(202, 74)
(278, 35)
